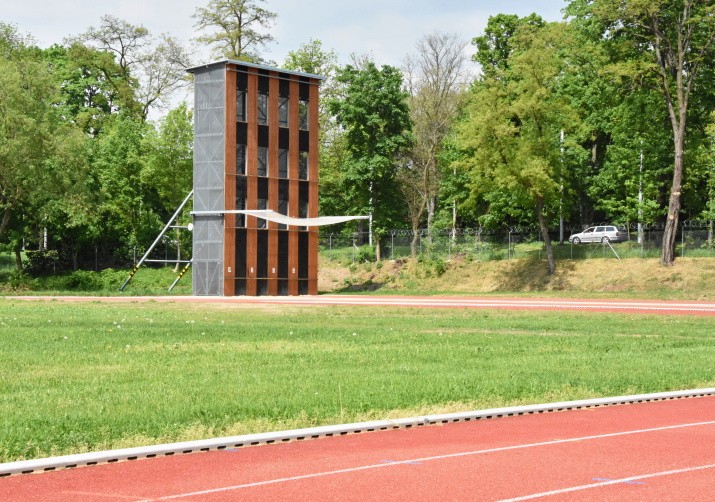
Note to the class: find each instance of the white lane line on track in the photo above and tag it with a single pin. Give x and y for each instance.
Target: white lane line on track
(425, 459)
(416, 302)
(492, 305)
(610, 482)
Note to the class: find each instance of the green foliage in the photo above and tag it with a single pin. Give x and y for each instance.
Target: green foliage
(365, 254)
(511, 134)
(40, 262)
(496, 46)
(36, 144)
(374, 113)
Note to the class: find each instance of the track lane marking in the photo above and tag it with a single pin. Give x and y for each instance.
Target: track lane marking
(450, 455)
(606, 483)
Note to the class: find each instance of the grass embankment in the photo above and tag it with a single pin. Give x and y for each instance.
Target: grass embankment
(79, 377)
(689, 278)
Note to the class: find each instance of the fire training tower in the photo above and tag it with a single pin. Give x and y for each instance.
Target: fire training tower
(255, 149)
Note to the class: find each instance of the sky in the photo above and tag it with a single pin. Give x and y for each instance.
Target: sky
(386, 29)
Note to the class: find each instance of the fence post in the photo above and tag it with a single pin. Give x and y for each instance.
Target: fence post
(508, 249)
(479, 243)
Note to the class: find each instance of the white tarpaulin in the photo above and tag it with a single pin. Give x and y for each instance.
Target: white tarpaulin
(287, 220)
(302, 222)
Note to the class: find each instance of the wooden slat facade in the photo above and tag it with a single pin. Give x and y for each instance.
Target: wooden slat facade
(269, 268)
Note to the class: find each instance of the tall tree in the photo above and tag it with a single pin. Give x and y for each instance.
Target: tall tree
(41, 155)
(234, 28)
(511, 134)
(86, 95)
(126, 203)
(169, 161)
(374, 113)
(496, 45)
(436, 77)
(661, 45)
(149, 70)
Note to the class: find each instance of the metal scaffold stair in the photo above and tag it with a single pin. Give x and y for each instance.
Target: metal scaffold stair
(168, 226)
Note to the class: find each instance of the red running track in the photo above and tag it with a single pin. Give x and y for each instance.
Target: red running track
(702, 308)
(653, 451)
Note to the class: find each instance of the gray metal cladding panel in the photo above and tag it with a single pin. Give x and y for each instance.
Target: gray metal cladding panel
(208, 200)
(209, 139)
(207, 279)
(209, 132)
(208, 175)
(208, 255)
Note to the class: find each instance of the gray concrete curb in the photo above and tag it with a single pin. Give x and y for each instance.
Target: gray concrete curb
(83, 459)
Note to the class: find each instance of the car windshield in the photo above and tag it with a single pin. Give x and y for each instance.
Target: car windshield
(588, 230)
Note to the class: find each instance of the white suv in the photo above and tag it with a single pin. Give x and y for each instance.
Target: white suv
(605, 233)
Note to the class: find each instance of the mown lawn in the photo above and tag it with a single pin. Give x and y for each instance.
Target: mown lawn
(90, 376)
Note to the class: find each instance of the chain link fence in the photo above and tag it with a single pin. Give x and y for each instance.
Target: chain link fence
(694, 239)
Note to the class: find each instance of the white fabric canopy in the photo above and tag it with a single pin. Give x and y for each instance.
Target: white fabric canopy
(286, 220)
(302, 222)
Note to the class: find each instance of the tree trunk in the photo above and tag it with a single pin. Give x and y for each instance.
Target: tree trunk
(667, 257)
(18, 258)
(413, 244)
(545, 234)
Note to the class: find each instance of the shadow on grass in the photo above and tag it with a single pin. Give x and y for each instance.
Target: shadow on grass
(532, 275)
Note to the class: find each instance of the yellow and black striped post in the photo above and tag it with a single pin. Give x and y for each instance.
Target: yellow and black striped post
(130, 277)
(181, 274)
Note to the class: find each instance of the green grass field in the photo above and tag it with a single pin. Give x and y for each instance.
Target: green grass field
(90, 376)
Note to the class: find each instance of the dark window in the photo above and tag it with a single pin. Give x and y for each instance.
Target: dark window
(263, 135)
(283, 255)
(302, 287)
(262, 202)
(262, 253)
(263, 82)
(303, 255)
(240, 159)
(303, 114)
(241, 106)
(284, 88)
(303, 166)
(240, 253)
(282, 163)
(304, 141)
(283, 112)
(303, 195)
(240, 200)
(261, 287)
(241, 80)
(262, 161)
(242, 133)
(304, 90)
(240, 287)
(262, 109)
(283, 196)
(283, 138)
